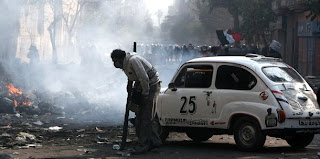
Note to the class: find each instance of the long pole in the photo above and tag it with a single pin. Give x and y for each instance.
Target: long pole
(126, 116)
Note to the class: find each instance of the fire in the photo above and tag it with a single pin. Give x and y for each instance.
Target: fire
(15, 103)
(13, 91)
(26, 101)
(18, 98)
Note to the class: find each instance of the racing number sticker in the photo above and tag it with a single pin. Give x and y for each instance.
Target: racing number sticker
(193, 107)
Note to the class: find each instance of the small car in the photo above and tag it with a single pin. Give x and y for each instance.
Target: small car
(248, 97)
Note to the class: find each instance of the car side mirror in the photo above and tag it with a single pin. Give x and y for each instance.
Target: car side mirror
(172, 86)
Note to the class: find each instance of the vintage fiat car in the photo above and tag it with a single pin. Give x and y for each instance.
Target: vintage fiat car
(249, 97)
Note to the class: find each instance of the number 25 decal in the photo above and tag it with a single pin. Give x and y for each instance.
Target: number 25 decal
(191, 103)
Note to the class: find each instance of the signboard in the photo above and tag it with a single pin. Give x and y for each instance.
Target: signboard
(308, 28)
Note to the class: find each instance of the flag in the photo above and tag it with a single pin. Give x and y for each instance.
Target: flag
(222, 38)
(228, 36)
(236, 36)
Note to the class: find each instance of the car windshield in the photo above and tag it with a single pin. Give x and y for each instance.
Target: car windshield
(282, 74)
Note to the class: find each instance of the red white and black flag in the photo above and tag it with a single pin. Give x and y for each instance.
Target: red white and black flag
(228, 36)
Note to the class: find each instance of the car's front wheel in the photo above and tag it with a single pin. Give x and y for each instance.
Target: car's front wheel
(299, 141)
(248, 135)
(162, 131)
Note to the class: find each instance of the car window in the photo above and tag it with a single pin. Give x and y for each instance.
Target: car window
(232, 77)
(281, 74)
(195, 76)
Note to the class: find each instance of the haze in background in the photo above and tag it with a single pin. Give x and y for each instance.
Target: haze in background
(158, 9)
(84, 81)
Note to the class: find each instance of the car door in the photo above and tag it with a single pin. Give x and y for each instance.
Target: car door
(187, 96)
(234, 85)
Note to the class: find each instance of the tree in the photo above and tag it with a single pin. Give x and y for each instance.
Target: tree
(183, 28)
(68, 11)
(56, 7)
(212, 20)
(257, 15)
(314, 8)
(70, 16)
(232, 6)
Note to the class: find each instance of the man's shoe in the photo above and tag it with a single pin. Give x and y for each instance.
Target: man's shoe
(140, 149)
(154, 146)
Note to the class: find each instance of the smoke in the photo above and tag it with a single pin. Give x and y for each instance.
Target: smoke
(84, 82)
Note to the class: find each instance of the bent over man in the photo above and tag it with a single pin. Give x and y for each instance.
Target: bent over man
(146, 81)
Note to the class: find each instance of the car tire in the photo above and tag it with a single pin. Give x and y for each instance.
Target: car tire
(162, 131)
(299, 141)
(248, 135)
(199, 135)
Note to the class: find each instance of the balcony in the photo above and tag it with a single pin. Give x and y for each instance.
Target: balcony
(283, 6)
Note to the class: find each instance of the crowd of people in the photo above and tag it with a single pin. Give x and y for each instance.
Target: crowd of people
(166, 54)
(163, 54)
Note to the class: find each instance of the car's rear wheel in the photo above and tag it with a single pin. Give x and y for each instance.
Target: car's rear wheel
(162, 131)
(299, 141)
(199, 135)
(248, 135)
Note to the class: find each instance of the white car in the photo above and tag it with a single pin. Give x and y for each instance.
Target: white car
(245, 96)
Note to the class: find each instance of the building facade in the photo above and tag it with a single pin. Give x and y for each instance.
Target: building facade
(300, 37)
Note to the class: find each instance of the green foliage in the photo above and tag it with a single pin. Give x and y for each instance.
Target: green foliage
(314, 7)
(206, 19)
(256, 19)
(256, 16)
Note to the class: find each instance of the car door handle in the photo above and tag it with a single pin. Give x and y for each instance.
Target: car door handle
(207, 92)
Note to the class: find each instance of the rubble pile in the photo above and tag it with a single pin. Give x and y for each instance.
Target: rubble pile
(13, 100)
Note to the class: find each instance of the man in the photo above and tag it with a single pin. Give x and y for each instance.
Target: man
(33, 55)
(270, 119)
(146, 80)
(274, 49)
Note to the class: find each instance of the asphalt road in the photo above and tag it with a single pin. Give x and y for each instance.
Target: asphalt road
(179, 146)
(81, 144)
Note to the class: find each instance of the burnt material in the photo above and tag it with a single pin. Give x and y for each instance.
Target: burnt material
(6, 105)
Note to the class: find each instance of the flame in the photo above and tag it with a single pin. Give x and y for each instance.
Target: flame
(13, 90)
(17, 94)
(15, 103)
(26, 101)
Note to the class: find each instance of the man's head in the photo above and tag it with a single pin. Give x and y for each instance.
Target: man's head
(117, 57)
(269, 110)
(275, 45)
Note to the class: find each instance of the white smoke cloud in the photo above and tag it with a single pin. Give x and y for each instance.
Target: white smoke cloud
(86, 81)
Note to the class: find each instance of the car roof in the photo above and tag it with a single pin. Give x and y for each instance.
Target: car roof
(249, 60)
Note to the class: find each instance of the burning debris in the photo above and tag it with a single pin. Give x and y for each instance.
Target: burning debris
(13, 100)
(17, 96)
